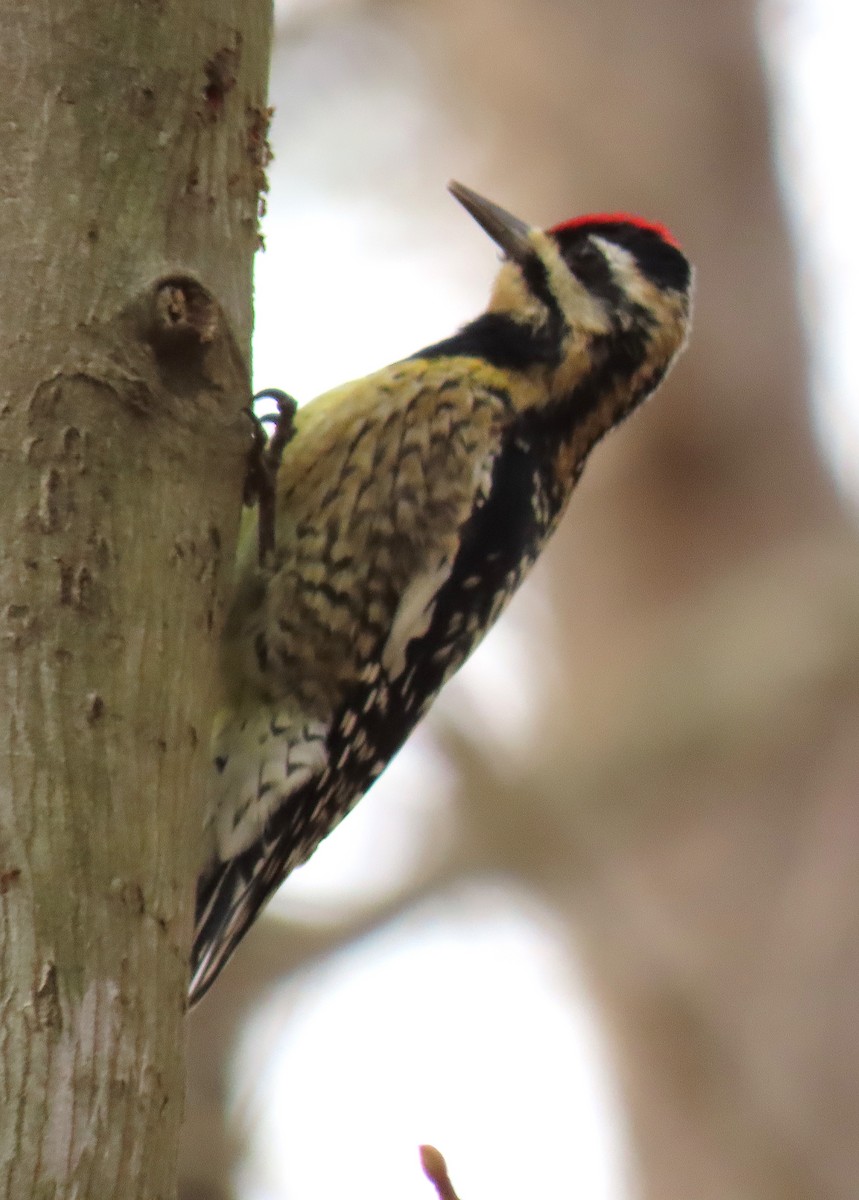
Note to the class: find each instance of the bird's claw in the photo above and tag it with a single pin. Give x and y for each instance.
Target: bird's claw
(264, 461)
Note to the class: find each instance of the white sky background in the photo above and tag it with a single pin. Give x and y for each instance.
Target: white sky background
(462, 1024)
(811, 48)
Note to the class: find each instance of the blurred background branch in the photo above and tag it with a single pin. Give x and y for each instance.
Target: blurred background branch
(654, 760)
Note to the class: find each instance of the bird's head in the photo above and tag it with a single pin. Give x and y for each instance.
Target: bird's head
(609, 287)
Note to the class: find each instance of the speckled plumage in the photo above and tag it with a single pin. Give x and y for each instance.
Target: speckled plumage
(409, 507)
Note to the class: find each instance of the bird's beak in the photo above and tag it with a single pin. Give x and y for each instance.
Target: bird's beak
(507, 231)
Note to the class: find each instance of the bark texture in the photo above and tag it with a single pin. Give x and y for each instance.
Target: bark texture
(133, 153)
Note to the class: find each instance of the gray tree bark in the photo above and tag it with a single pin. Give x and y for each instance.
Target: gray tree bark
(134, 149)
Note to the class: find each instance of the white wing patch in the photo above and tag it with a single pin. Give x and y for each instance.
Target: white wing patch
(417, 604)
(413, 616)
(271, 756)
(481, 478)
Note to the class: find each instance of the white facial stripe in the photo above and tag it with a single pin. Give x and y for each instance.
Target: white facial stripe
(581, 309)
(625, 270)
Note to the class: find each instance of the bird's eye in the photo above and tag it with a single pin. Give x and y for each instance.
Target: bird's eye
(588, 264)
(586, 252)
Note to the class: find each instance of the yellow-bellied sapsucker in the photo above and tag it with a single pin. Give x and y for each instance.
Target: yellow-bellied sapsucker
(409, 506)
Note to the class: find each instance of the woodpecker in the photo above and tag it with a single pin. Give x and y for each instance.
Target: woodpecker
(408, 508)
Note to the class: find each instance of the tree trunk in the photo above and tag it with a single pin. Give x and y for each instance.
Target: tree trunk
(134, 151)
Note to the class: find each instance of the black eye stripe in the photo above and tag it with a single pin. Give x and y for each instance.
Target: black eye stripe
(591, 268)
(660, 262)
